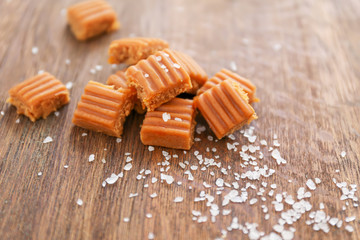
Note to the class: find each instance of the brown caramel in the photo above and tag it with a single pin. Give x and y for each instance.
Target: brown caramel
(104, 109)
(132, 50)
(91, 18)
(220, 76)
(225, 107)
(197, 74)
(118, 80)
(170, 125)
(158, 79)
(39, 96)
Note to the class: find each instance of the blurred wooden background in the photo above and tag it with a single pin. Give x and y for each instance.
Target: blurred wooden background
(303, 56)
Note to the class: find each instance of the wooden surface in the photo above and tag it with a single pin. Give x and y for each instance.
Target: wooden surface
(303, 56)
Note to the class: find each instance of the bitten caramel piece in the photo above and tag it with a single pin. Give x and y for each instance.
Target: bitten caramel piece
(118, 80)
(38, 96)
(170, 125)
(197, 74)
(158, 79)
(104, 109)
(132, 50)
(245, 84)
(225, 107)
(91, 18)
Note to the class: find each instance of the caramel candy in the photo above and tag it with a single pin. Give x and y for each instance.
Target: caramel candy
(104, 109)
(158, 79)
(118, 80)
(38, 96)
(132, 50)
(91, 18)
(197, 75)
(245, 84)
(225, 107)
(170, 125)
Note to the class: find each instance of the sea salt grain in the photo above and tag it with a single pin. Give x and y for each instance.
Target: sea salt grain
(178, 199)
(126, 219)
(35, 50)
(112, 179)
(343, 154)
(91, 157)
(67, 61)
(69, 85)
(79, 202)
(154, 195)
(39, 173)
(176, 65)
(166, 116)
(128, 167)
(310, 184)
(151, 236)
(48, 139)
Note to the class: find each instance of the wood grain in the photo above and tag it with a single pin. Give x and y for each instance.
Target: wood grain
(303, 56)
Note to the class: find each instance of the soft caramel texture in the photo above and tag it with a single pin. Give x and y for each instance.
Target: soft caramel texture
(91, 18)
(104, 109)
(225, 107)
(173, 133)
(224, 74)
(197, 74)
(132, 50)
(39, 96)
(118, 80)
(158, 79)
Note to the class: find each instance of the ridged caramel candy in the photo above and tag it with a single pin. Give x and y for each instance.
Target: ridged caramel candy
(158, 79)
(224, 74)
(197, 74)
(170, 125)
(104, 109)
(91, 18)
(39, 96)
(132, 50)
(225, 107)
(118, 80)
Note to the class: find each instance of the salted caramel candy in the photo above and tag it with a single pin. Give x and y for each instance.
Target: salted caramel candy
(102, 108)
(224, 74)
(38, 96)
(170, 125)
(132, 50)
(158, 79)
(197, 74)
(118, 80)
(91, 18)
(225, 107)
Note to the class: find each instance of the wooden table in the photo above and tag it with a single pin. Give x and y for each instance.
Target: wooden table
(302, 55)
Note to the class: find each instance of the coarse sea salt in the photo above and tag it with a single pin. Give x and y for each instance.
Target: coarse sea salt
(178, 199)
(91, 157)
(79, 202)
(112, 179)
(48, 139)
(166, 116)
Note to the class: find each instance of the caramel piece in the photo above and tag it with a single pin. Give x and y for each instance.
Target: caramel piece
(119, 81)
(132, 50)
(91, 18)
(197, 74)
(170, 125)
(104, 109)
(158, 79)
(225, 107)
(38, 96)
(245, 84)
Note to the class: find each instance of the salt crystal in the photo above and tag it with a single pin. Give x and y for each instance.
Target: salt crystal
(343, 154)
(349, 228)
(66, 166)
(166, 116)
(98, 67)
(169, 179)
(112, 179)
(17, 120)
(310, 184)
(48, 139)
(2, 113)
(56, 113)
(233, 66)
(126, 219)
(39, 173)
(67, 61)
(84, 134)
(128, 167)
(91, 157)
(153, 180)
(79, 202)
(317, 180)
(350, 219)
(253, 201)
(131, 195)
(178, 199)
(151, 236)
(118, 140)
(92, 71)
(69, 85)
(35, 50)
(154, 195)
(178, 119)
(176, 65)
